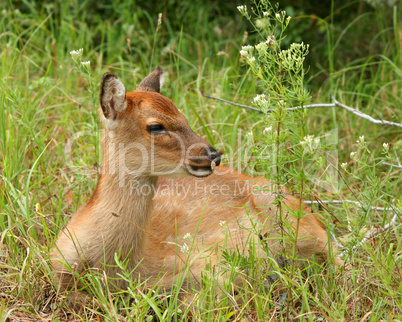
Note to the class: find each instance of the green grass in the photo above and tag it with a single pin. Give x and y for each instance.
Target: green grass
(44, 102)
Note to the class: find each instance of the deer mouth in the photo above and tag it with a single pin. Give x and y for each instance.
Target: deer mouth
(199, 171)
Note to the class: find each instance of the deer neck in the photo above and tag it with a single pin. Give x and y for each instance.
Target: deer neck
(126, 201)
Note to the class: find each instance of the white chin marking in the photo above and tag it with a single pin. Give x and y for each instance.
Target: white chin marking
(201, 173)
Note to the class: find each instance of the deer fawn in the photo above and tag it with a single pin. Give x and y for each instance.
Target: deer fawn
(148, 143)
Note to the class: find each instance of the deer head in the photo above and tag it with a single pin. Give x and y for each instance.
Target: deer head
(152, 137)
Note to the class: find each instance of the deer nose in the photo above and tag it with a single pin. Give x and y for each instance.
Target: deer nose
(214, 156)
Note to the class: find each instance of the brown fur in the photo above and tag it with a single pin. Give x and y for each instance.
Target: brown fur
(150, 229)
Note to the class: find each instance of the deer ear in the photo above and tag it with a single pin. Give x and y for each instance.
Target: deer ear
(153, 82)
(112, 99)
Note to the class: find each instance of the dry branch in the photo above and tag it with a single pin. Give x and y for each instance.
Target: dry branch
(393, 165)
(399, 165)
(340, 202)
(375, 231)
(369, 234)
(335, 104)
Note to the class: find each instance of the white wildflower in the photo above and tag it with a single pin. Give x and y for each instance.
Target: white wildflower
(278, 17)
(86, 64)
(242, 10)
(251, 59)
(248, 48)
(259, 97)
(353, 155)
(385, 146)
(265, 13)
(76, 54)
(271, 42)
(361, 142)
(250, 137)
(261, 48)
(187, 236)
(309, 143)
(267, 130)
(222, 223)
(234, 268)
(344, 165)
(306, 140)
(293, 58)
(261, 101)
(184, 249)
(287, 20)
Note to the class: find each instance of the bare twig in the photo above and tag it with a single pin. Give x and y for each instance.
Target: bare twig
(324, 105)
(365, 116)
(393, 165)
(271, 110)
(399, 165)
(232, 103)
(397, 159)
(372, 232)
(340, 202)
(375, 231)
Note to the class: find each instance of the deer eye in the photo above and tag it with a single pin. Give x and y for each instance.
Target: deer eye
(156, 129)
